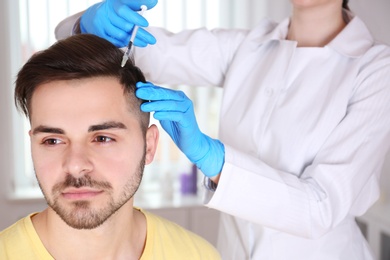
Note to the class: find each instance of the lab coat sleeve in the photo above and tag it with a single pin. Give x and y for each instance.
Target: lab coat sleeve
(193, 57)
(67, 26)
(342, 181)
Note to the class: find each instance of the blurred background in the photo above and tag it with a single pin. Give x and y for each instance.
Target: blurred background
(27, 26)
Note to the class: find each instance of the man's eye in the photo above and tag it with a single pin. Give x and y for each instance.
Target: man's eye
(103, 139)
(51, 141)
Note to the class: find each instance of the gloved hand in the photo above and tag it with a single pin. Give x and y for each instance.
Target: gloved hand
(114, 20)
(176, 114)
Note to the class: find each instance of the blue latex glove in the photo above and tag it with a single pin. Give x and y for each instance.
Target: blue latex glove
(176, 114)
(114, 20)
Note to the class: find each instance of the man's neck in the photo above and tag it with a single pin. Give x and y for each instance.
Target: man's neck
(315, 26)
(122, 236)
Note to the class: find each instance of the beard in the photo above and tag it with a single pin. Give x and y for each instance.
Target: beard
(81, 214)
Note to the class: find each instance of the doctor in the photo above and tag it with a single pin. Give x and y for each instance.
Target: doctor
(304, 125)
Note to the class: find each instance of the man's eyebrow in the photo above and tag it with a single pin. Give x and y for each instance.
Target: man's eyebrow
(107, 125)
(47, 129)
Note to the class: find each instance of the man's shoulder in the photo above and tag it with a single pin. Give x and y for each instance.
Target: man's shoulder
(13, 231)
(12, 237)
(168, 237)
(21, 240)
(175, 231)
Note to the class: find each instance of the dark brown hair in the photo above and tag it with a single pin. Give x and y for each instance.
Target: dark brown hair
(78, 57)
(345, 4)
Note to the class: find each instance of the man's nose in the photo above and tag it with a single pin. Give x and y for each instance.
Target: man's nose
(77, 160)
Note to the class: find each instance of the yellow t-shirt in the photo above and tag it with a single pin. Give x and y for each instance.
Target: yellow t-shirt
(164, 240)
(21, 242)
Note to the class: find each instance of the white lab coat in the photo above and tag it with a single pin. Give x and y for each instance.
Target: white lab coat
(306, 131)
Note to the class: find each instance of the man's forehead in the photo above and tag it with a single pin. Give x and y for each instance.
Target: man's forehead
(94, 103)
(98, 90)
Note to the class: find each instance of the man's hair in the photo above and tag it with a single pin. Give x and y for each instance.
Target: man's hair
(345, 4)
(78, 57)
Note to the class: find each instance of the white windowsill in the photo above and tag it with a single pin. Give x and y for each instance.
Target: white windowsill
(26, 194)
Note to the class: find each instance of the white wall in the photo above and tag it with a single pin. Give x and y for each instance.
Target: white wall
(247, 13)
(374, 13)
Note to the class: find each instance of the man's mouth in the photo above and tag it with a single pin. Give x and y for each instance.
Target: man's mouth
(81, 193)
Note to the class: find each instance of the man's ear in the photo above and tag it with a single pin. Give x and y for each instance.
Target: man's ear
(152, 135)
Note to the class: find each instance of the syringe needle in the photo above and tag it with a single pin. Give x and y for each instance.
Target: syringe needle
(133, 34)
(126, 55)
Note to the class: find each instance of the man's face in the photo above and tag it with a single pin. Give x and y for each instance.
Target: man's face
(88, 148)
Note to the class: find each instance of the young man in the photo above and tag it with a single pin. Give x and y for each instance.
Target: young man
(90, 142)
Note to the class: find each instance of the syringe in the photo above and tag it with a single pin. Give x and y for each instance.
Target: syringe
(133, 34)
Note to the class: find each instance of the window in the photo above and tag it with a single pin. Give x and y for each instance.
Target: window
(38, 19)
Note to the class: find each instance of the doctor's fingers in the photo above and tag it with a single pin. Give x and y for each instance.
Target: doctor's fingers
(118, 28)
(180, 119)
(142, 39)
(115, 35)
(108, 36)
(124, 18)
(121, 38)
(169, 106)
(148, 91)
